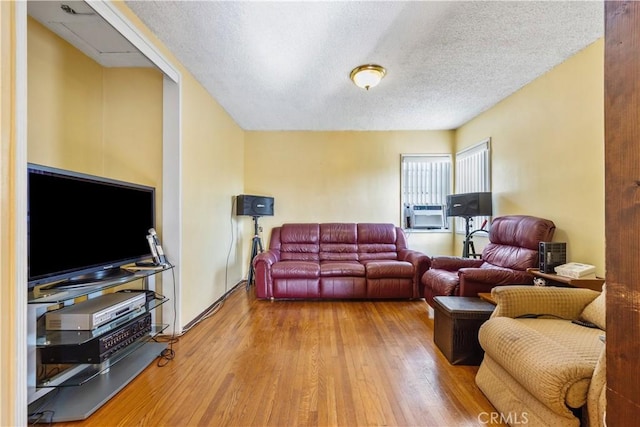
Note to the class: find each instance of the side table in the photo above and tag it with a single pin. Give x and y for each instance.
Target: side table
(456, 323)
(590, 283)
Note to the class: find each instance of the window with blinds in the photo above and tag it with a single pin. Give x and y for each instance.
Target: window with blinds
(425, 184)
(473, 174)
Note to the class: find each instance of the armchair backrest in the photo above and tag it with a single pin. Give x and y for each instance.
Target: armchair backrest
(514, 241)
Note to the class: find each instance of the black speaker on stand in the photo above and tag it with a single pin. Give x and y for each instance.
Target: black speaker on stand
(254, 206)
(467, 206)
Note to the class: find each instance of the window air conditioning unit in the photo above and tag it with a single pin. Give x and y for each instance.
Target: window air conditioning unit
(427, 216)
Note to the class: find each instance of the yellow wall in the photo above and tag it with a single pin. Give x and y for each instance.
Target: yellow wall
(548, 152)
(108, 122)
(132, 130)
(212, 168)
(338, 177)
(64, 105)
(91, 119)
(212, 174)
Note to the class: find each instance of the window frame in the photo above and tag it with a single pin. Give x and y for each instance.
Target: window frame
(441, 192)
(472, 184)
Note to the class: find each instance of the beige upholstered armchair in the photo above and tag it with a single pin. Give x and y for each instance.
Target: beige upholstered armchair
(538, 364)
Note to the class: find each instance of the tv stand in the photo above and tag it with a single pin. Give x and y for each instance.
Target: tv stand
(79, 389)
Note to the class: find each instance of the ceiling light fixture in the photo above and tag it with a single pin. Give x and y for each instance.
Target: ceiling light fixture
(367, 76)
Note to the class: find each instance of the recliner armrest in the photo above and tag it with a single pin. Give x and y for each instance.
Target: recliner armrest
(474, 280)
(517, 301)
(495, 276)
(453, 263)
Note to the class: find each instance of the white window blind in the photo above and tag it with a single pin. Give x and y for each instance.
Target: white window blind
(425, 181)
(473, 174)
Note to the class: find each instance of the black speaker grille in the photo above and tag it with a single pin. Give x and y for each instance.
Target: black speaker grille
(250, 205)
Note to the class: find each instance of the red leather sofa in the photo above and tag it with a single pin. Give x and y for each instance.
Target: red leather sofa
(339, 260)
(512, 248)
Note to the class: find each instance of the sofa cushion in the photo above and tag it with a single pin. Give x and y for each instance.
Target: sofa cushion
(299, 242)
(388, 269)
(336, 269)
(295, 270)
(377, 241)
(595, 311)
(553, 359)
(338, 242)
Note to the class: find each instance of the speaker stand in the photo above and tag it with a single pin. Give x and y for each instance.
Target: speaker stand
(468, 247)
(256, 248)
(469, 251)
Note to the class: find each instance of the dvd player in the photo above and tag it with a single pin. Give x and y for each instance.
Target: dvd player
(94, 312)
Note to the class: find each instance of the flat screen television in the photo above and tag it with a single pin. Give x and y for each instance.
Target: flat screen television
(82, 228)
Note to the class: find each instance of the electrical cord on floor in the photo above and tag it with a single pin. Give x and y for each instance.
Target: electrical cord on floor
(214, 309)
(226, 266)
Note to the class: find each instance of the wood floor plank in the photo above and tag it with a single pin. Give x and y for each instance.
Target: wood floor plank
(302, 363)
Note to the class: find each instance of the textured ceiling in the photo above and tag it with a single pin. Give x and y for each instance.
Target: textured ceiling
(285, 65)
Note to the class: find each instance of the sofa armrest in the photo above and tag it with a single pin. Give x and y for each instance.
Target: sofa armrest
(421, 264)
(517, 301)
(453, 263)
(417, 259)
(269, 257)
(262, 264)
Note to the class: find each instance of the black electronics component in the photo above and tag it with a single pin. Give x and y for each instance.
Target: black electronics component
(552, 254)
(469, 204)
(254, 205)
(99, 349)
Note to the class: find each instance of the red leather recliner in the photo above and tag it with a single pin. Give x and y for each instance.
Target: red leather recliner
(513, 247)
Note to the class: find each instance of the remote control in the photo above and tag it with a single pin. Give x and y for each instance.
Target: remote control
(585, 323)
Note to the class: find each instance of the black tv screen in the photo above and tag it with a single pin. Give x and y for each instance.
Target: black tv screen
(83, 225)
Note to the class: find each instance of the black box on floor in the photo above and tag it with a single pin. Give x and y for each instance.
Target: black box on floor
(456, 321)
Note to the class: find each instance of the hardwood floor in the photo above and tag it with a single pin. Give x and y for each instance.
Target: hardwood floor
(303, 363)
